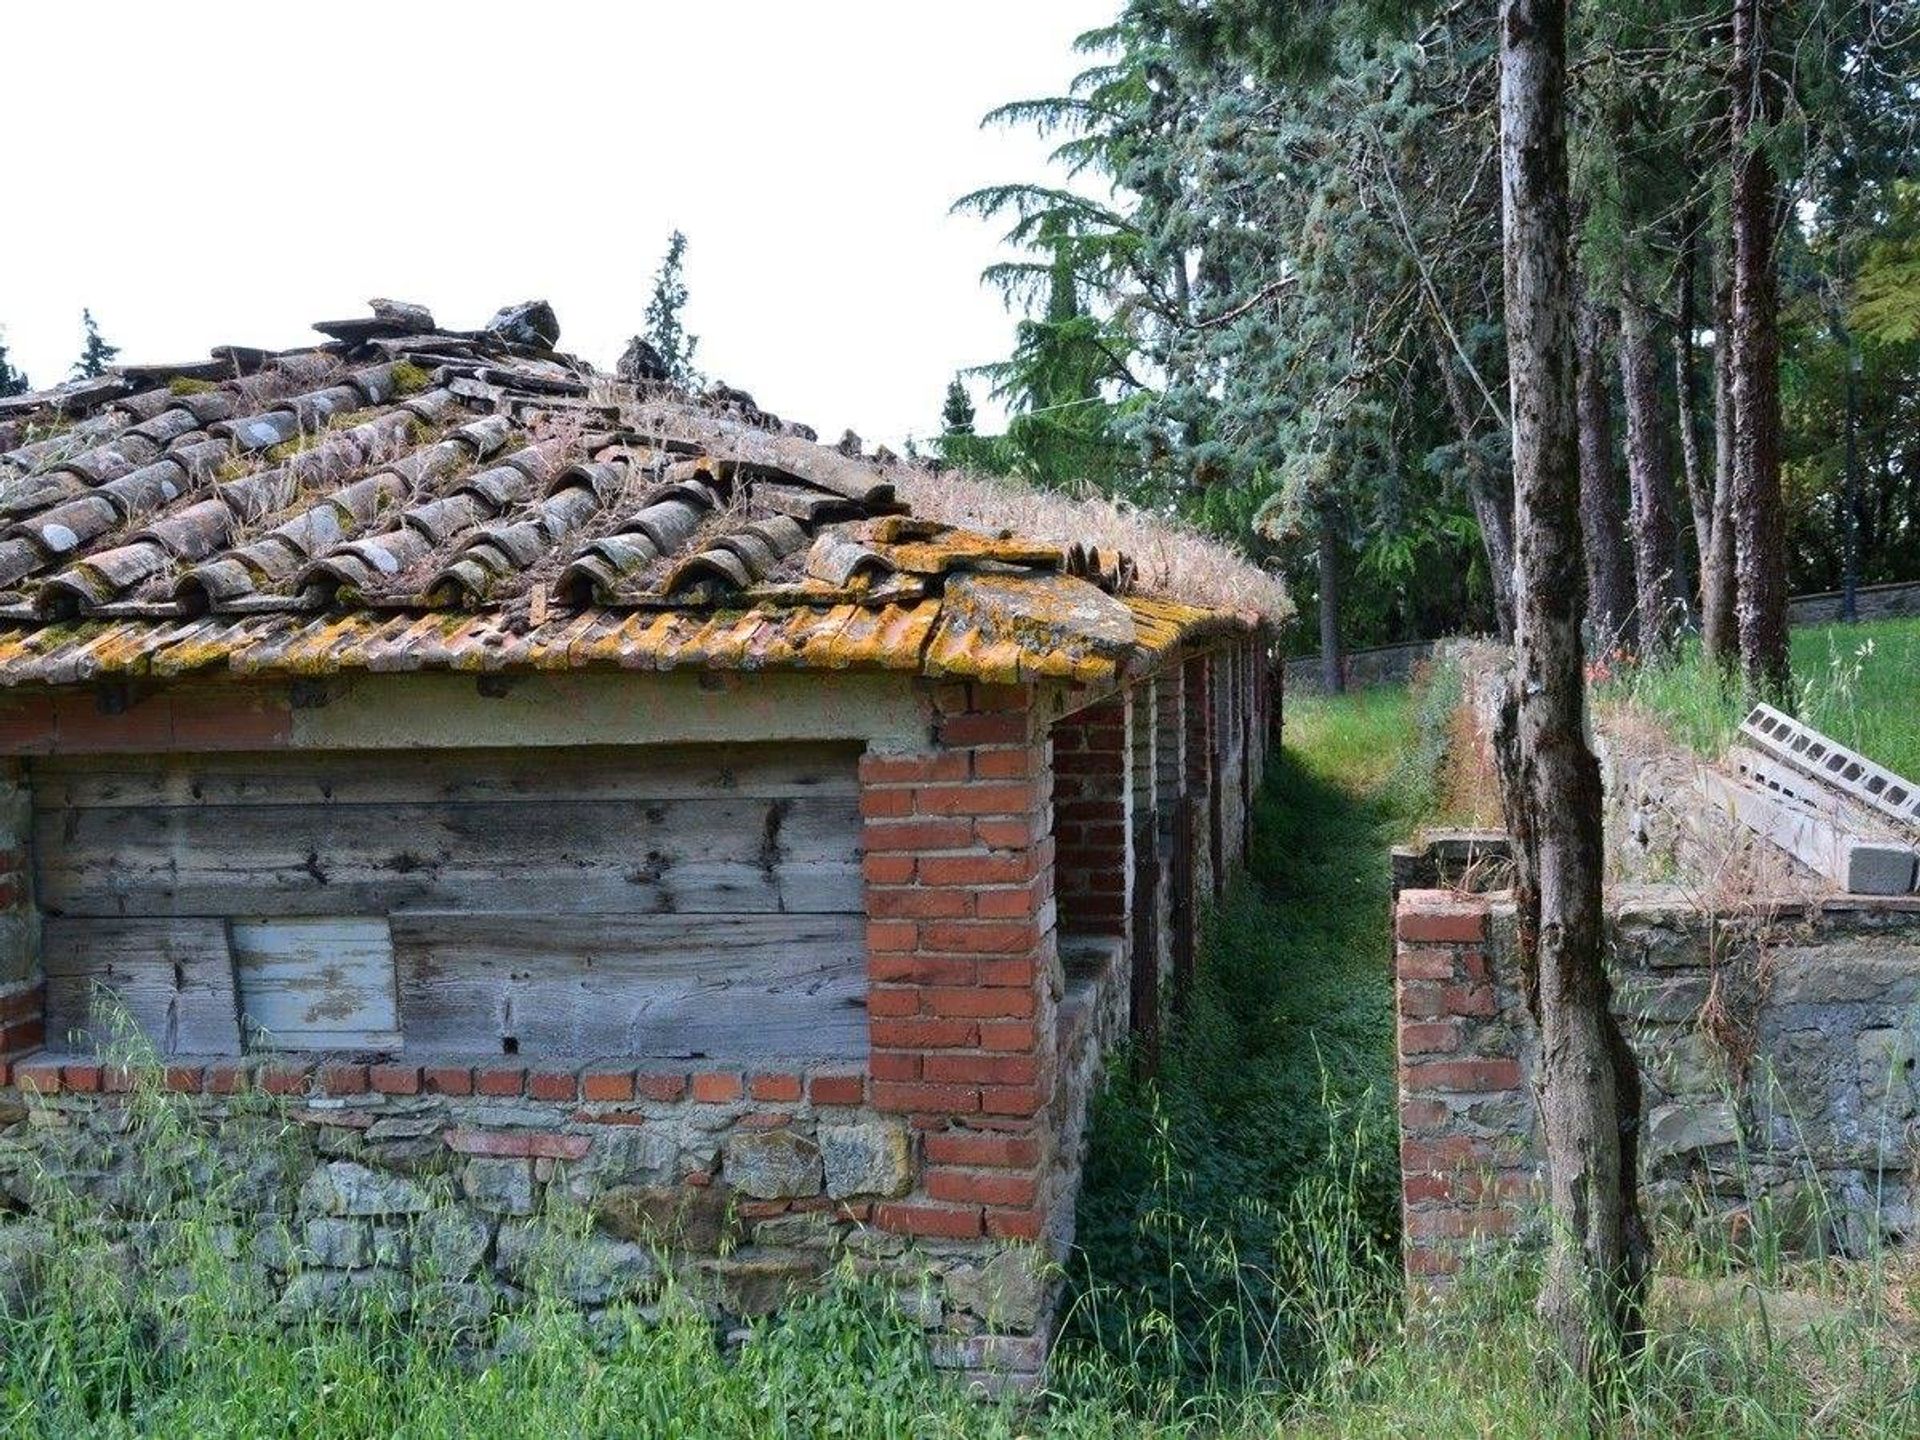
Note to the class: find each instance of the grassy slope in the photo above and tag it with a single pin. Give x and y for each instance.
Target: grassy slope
(1857, 682)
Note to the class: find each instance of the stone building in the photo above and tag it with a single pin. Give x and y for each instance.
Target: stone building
(545, 781)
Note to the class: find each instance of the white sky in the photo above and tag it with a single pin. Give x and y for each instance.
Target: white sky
(227, 173)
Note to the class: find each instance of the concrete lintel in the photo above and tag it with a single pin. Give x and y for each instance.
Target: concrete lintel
(647, 708)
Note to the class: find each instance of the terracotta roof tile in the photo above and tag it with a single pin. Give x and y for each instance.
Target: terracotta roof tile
(400, 501)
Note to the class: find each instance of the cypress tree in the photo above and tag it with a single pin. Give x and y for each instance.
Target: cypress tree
(96, 354)
(665, 330)
(956, 416)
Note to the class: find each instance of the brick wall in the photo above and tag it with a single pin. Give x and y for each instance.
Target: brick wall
(1465, 1172)
(1092, 821)
(1778, 1083)
(956, 1145)
(963, 962)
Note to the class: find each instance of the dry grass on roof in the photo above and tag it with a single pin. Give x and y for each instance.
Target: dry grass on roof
(1174, 560)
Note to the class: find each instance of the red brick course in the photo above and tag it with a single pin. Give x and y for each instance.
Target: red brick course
(958, 859)
(1459, 1186)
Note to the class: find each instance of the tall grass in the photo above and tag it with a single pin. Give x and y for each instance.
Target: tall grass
(1855, 682)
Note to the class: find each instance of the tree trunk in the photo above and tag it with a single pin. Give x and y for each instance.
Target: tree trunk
(1602, 537)
(1760, 551)
(1491, 494)
(1699, 497)
(1551, 782)
(1333, 678)
(1719, 634)
(1649, 477)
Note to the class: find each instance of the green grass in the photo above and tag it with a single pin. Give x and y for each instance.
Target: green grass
(1239, 1277)
(1259, 1162)
(1856, 682)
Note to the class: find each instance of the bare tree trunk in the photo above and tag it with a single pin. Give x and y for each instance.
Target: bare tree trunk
(1602, 537)
(1759, 525)
(1719, 633)
(1649, 476)
(1699, 497)
(1333, 677)
(1491, 494)
(1551, 782)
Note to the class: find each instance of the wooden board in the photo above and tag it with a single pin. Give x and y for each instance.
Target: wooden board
(719, 986)
(702, 855)
(438, 777)
(316, 984)
(172, 978)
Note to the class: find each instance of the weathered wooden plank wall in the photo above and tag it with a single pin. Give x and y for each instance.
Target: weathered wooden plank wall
(670, 900)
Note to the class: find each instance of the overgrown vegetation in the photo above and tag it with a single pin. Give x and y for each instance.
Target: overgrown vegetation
(1855, 682)
(1240, 1199)
(1239, 1275)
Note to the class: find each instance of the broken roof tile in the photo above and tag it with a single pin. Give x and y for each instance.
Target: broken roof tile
(406, 498)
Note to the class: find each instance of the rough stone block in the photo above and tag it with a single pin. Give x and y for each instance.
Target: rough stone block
(587, 1270)
(347, 1188)
(503, 1187)
(693, 1218)
(1676, 1129)
(866, 1159)
(755, 1285)
(338, 1244)
(774, 1165)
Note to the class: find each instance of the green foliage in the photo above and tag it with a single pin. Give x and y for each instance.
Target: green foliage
(95, 353)
(1886, 295)
(12, 381)
(666, 331)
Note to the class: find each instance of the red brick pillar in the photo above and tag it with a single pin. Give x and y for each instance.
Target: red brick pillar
(1092, 753)
(1203, 762)
(1466, 1155)
(963, 971)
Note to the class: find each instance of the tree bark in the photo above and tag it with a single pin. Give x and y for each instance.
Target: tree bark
(1699, 497)
(1333, 678)
(1603, 538)
(1719, 633)
(1760, 556)
(1490, 493)
(1649, 477)
(1551, 782)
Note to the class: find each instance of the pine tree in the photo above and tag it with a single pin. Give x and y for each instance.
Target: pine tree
(12, 381)
(96, 354)
(956, 416)
(665, 331)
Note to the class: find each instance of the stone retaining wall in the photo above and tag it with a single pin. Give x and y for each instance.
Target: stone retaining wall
(1873, 602)
(1778, 1055)
(748, 1185)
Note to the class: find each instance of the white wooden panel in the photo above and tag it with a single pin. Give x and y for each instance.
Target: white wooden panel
(172, 979)
(316, 984)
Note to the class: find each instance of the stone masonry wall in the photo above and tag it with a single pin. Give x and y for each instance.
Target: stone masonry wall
(1778, 1064)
